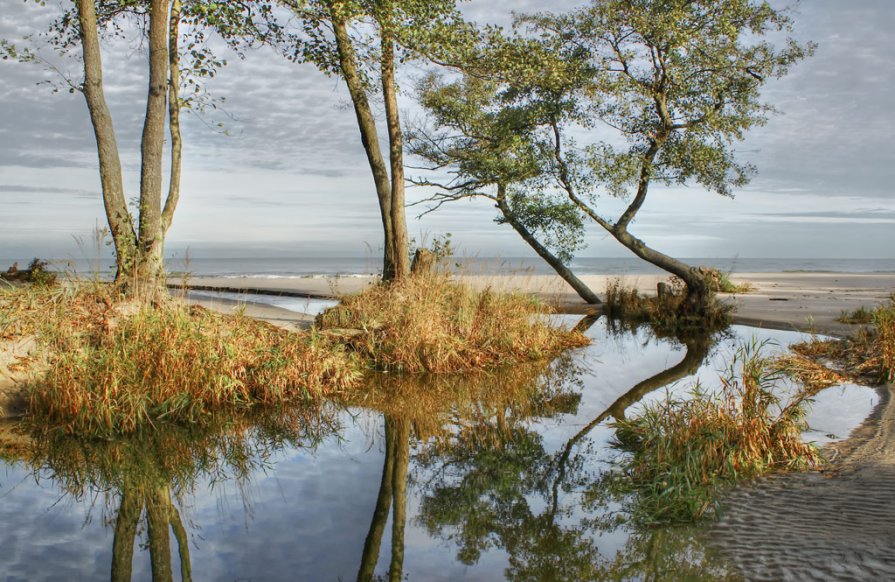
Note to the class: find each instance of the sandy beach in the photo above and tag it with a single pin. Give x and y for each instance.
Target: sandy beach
(797, 301)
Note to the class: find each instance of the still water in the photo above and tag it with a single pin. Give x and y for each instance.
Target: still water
(480, 477)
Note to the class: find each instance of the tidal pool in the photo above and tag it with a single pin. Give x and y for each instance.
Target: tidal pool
(478, 477)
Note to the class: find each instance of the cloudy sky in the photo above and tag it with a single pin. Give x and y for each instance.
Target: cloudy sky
(290, 177)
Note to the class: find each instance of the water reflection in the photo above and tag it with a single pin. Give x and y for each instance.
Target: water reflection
(483, 476)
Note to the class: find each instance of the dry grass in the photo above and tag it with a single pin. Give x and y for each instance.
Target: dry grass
(867, 356)
(860, 316)
(683, 450)
(431, 324)
(117, 366)
(663, 313)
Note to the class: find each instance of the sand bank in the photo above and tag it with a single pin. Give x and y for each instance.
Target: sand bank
(798, 301)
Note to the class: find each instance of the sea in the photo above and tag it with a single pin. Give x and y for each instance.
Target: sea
(292, 267)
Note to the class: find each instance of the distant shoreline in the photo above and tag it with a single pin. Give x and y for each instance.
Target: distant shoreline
(796, 301)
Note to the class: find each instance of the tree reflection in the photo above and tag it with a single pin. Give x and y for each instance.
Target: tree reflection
(496, 486)
(144, 477)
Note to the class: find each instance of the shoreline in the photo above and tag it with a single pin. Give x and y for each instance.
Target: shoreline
(804, 301)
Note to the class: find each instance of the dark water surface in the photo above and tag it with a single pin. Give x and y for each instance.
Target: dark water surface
(481, 477)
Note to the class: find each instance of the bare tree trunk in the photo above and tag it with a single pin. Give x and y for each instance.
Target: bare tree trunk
(697, 288)
(173, 116)
(380, 513)
(396, 158)
(183, 541)
(399, 487)
(150, 267)
(157, 517)
(120, 221)
(129, 512)
(369, 138)
(561, 269)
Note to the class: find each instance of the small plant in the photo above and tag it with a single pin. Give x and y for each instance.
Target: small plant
(861, 316)
(682, 451)
(431, 324)
(37, 273)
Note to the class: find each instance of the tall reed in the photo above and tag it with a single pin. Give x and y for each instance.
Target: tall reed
(682, 450)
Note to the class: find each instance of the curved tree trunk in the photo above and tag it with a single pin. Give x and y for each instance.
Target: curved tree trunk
(173, 116)
(561, 269)
(119, 217)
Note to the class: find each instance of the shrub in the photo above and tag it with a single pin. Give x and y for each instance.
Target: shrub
(683, 450)
(431, 324)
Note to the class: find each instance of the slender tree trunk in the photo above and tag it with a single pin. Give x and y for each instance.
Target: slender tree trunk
(561, 269)
(399, 487)
(183, 541)
(150, 268)
(369, 138)
(129, 512)
(120, 221)
(157, 517)
(399, 241)
(173, 116)
(380, 513)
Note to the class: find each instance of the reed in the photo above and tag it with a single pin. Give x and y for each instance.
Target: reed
(683, 450)
(432, 324)
(115, 366)
(663, 312)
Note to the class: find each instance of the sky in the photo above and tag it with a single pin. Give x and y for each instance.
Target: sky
(289, 175)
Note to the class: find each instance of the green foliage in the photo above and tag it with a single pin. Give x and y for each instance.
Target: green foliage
(683, 450)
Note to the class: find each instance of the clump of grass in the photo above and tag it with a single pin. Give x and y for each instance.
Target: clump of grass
(684, 450)
(118, 366)
(861, 316)
(663, 312)
(37, 273)
(719, 282)
(867, 356)
(432, 324)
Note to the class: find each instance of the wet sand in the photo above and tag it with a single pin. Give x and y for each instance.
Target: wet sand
(838, 524)
(795, 301)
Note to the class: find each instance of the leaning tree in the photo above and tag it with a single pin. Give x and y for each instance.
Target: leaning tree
(679, 82)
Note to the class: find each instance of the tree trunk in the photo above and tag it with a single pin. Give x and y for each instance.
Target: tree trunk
(183, 542)
(157, 517)
(120, 221)
(399, 487)
(399, 242)
(150, 266)
(173, 116)
(129, 512)
(380, 513)
(697, 288)
(370, 140)
(562, 270)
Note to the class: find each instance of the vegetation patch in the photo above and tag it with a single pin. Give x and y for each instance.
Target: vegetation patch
(868, 356)
(719, 282)
(860, 316)
(683, 450)
(116, 366)
(663, 312)
(432, 324)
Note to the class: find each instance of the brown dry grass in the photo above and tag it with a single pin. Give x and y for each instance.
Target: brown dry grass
(431, 324)
(116, 366)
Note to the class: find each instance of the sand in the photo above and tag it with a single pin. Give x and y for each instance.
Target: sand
(834, 525)
(797, 301)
